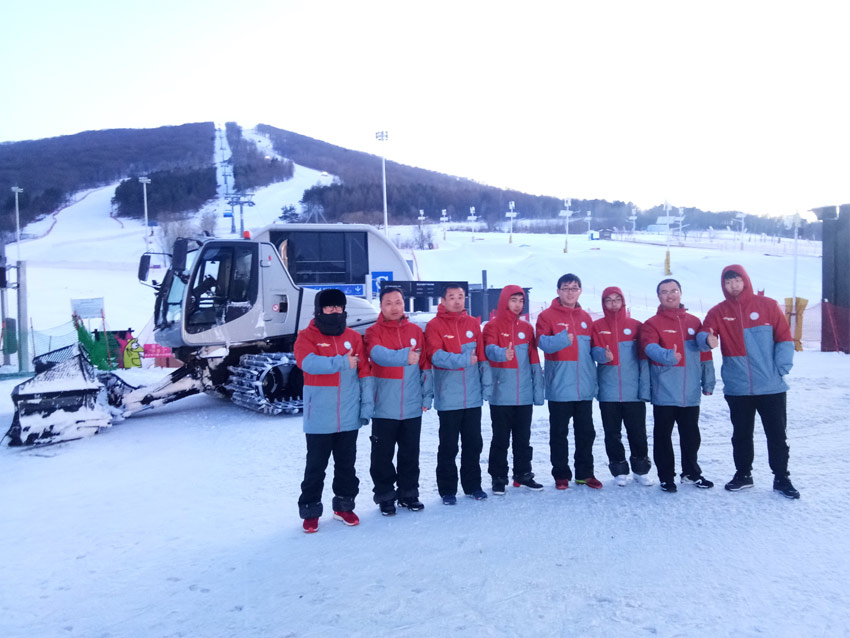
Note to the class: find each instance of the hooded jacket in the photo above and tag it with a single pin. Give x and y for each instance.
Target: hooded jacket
(337, 398)
(451, 338)
(401, 389)
(626, 376)
(671, 383)
(569, 372)
(520, 380)
(755, 341)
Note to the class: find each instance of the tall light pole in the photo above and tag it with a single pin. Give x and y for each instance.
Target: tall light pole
(16, 190)
(383, 136)
(633, 219)
(472, 217)
(566, 213)
(444, 219)
(510, 215)
(587, 219)
(145, 181)
(421, 218)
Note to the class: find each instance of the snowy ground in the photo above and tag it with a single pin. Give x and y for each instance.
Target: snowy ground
(183, 521)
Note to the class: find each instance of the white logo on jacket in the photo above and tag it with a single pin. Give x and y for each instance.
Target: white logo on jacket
(584, 325)
(754, 315)
(521, 335)
(691, 331)
(413, 341)
(347, 345)
(627, 331)
(469, 334)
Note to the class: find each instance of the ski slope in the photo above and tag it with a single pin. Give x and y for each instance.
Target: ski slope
(184, 521)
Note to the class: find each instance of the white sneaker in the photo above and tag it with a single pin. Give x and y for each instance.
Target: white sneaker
(645, 479)
(621, 480)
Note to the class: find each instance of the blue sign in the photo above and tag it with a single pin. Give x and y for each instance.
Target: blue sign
(228, 213)
(355, 290)
(378, 276)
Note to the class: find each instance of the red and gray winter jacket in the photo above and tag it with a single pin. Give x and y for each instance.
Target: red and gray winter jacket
(626, 376)
(520, 380)
(673, 383)
(401, 389)
(755, 341)
(569, 372)
(451, 338)
(337, 398)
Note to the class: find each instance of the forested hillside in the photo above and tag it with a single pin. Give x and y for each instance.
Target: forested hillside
(357, 196)
(52, 169)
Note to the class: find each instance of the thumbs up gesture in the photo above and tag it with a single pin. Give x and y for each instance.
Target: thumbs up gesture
(570, 335)
(609, 356)
(712, 338)
(676, 353)
(413, 357)
(352, 358)
(509, 353)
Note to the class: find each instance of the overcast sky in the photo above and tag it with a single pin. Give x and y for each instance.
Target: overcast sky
(720, 105)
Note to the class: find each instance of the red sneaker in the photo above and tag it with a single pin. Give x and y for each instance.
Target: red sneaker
(349, 518)
(311, 525)
(590, 481)
(561, 484)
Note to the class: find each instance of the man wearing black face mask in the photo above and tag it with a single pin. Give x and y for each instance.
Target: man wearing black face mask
(338, 400)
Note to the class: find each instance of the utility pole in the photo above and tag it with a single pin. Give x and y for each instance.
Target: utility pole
(472, 217)
(145, 181)
(17, 191)
(510, 215)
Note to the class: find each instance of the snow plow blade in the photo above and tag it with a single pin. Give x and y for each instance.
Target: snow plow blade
(64, 401)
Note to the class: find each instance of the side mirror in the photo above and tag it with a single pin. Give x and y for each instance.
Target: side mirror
(144, 267)
(178, 256)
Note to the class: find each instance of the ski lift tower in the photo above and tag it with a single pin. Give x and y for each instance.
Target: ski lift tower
(587, 219)
(510, 215)
(633, 219)
(242, 200)
(680, 219)
(421, 218)
(444, 219)
(472, 217)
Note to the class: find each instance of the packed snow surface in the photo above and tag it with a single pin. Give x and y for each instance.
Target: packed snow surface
(183, 521)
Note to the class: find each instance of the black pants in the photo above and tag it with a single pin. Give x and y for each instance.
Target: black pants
(345, 484)
(510, 421)
(771, 409)
(633, 415)
(386, 434)
(666, 416)
(466, 424)
(560, 413)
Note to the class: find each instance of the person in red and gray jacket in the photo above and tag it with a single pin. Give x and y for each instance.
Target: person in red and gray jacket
(455, 350)
(338, 400)
(517, 384)
(758, 352)
(403, 391)
(623, 376)
(563, 334)
(678, 371)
